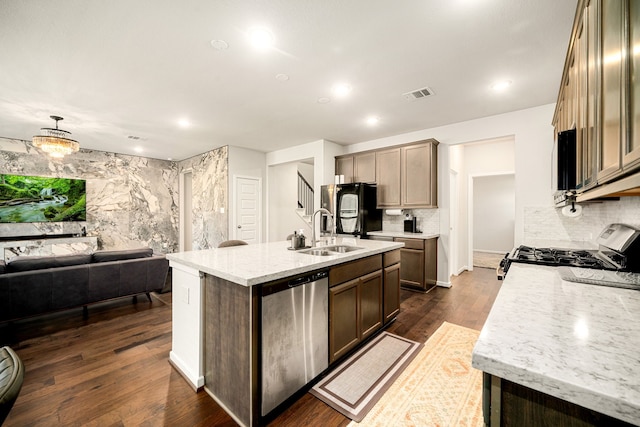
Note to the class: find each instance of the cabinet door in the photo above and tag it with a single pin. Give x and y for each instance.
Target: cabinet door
(370, 303)
(412, 268)
(430, 262)
(419, 176)
(364, 167)
(632, 149)
(612, 135)
(344, 322)
(388, 177)
(391, 304)
(344, 166)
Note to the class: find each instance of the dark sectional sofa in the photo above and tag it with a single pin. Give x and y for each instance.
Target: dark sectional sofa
(36, 285)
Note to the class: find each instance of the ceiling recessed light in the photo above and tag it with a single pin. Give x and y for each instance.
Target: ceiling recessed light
(500, 86)
(261, 38)
(282, 77)
(219, 44)
(138, 149)
(184, 123)
(372, 121)
(324, 100)
(341, 90)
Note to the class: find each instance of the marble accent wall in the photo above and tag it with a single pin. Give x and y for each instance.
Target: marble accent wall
(131, 201)
(548, 223)
(210, 201)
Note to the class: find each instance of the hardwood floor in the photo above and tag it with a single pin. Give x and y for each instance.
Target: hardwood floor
(112, 369)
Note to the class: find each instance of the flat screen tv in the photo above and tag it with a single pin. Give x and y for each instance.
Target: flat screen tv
(42, 199)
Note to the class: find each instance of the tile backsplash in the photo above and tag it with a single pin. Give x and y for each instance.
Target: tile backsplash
(542, 223)
(428, 220)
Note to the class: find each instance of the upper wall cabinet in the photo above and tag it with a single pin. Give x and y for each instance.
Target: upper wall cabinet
(600, 97)
(406, 175)
(359, 167)
(388, 174)
(419, 167)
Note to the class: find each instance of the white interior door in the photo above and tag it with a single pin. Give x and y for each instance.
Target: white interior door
(247, 209)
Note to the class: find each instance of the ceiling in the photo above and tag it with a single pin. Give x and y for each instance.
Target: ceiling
(123, 73)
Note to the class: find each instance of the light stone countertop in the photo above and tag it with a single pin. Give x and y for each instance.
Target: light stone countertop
(574, 341)
(403, 234)
(253, 264)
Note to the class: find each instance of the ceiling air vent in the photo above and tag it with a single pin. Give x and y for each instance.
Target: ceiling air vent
(418, 93)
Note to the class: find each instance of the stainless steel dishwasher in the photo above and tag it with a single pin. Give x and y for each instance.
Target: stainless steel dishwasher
(295, 335)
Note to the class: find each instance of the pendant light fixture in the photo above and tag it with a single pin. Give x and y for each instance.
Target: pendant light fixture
(55, 142)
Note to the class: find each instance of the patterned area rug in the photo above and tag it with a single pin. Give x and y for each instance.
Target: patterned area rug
(439, 387)
(355, 385)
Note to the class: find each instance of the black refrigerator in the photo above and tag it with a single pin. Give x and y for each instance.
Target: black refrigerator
(354, 208)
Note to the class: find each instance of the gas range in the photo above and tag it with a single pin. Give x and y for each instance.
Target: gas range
(561, 257)
(619, 250)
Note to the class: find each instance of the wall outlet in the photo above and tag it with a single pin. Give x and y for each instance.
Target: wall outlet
(221, 210)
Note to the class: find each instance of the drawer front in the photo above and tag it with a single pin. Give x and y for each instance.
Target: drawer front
(411, 243)
(350, 270)
(390, 258)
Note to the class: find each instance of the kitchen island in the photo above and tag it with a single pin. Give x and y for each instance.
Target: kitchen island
(560, 353)
(216, 311)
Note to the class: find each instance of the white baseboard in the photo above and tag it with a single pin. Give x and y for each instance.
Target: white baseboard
(443, 284)
(195, 381)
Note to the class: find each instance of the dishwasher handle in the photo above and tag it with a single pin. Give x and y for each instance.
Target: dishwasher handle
(286, 284)
(293, 283)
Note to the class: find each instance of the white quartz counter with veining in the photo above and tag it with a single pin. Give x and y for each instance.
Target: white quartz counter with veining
(577, 342)
(250, 265)
(403, 234)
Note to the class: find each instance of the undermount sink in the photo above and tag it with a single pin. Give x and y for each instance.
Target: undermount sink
(342, 248)
(330, 250)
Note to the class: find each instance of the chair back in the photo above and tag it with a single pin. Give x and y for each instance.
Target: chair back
(228, 243)
(11, 378)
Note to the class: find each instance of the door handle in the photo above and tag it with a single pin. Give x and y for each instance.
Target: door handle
(239, 226)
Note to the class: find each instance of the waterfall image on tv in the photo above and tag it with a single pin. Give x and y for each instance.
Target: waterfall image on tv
(42, 199)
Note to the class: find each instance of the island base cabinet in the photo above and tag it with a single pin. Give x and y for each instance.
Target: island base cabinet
(507, 404)
(370, 303)
(343, 323)
(231, 348)
(355, 309)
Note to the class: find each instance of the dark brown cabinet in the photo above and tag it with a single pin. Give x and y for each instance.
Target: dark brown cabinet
(355, 304)
(418, 263)
(600, 98)
(419, 169)
(388, 177)
(507, 404)
(344, 166)
(391, 283)
(359, 167)
(406, 175)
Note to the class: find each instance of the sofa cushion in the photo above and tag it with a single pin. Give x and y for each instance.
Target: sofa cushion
(27, 263)
(104, 256)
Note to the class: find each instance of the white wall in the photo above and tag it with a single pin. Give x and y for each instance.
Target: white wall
(488, 157)
(283, 199)
(494, 207)
(323, 154)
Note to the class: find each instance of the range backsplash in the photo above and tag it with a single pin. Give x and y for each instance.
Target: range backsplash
(548, 223)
